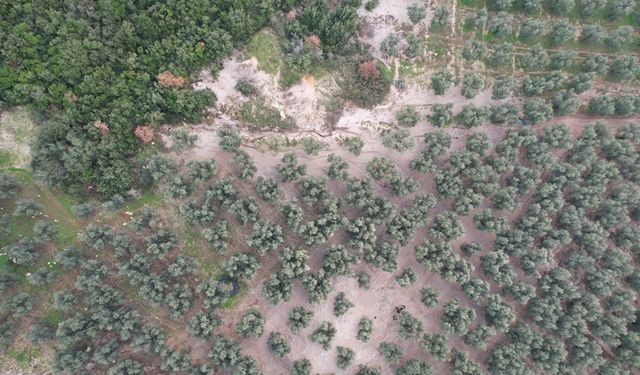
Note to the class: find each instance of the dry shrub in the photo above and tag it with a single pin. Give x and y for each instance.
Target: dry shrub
(144, 133)
(168, 79)
(369, 70)
(102, 127)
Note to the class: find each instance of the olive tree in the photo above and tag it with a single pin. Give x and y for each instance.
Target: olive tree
(251, 324)
(289, 168)
(436, 345)
(345, 357)
(341, 304)
(365, 329)
(268, 189)
(441, 115)
(299, 318)
(265, 237)
(456, 317)
(324, 334)
(391, 352)
(410, 327)
(472, 83)
(278, 344)
(441, 80)
(416, 13)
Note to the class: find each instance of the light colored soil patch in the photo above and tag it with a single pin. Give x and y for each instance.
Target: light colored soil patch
(16, 132)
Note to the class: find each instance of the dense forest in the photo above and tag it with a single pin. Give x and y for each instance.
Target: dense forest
(82, 63)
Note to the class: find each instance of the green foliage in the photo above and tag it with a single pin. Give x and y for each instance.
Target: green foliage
(353, 144)
(414, 367)
(324, 334)
(229, 139)
(473, 50)
(624, 68)
(251, 324)
(383, 255)
(277, 288)
(416, 13)
(301, 367)
(471, 84)
(441, 115)
(289, 169)
(391, 352)
(503, 87)
(224, 352)
(410, 327)
(299, 318)
(441, 17)
(399, 140)
(265, 237)
(440, 81)
(341, 304)
(245, 87)
(472, 116)
(479, 336)
(498, 314)
(436, 345)
(183, 140)
(537, 110)
(217, 236)
(389, 45)
(456, 317)
(242, 266)
(246, 165)
(345, 357)
(18, 305)
(8, 186)
(202, 324)
(530, 29)
(562, 32)
(278, 344)
(365, 329)
(366, 370)
(501, 25)
(407, 117)
(407, 277)
(338, 168)
(268, 189)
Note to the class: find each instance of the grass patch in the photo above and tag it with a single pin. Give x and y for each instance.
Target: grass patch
(6, 159)
(266, 47)
(25, 356)
(54, 316)
(148, 197)
(259, 116)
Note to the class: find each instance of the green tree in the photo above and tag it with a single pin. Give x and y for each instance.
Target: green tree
(278, 344)
(299, 319)
(301, 367)
(441, 17)
(410, 327)
(391, 352)
(441, 115)
(406, 277)
(324, 334)
(341, 304)
(471, 84)
(436, 345)
(456, 317)
(365, 329)
(251, 324)
(440, 81)
(416, 13)
(345, 357)
(407, 117)
(562, 32)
